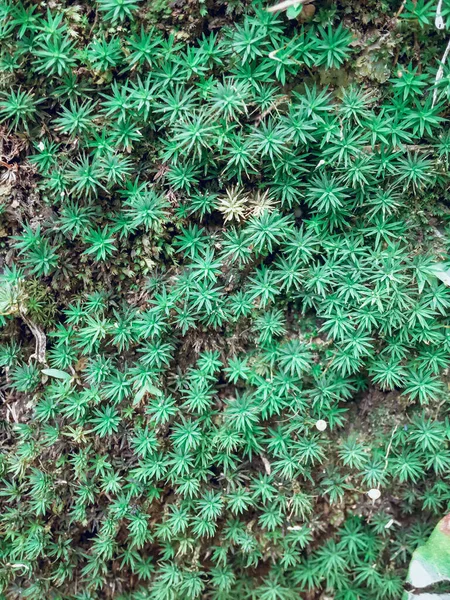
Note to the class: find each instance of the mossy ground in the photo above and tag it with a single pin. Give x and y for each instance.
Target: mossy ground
(221, 229)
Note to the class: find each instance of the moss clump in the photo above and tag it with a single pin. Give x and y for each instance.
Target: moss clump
(231, 249)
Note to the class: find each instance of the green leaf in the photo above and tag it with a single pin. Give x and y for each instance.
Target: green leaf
(294, 10)
(148, 388)
(431, 562)
(56, 373)
(442, 272)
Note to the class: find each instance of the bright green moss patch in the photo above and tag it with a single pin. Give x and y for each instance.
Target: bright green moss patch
(225, 332)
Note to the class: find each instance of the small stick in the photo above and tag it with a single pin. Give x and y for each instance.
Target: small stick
(400, 10)
(40, 339)
(285, 4)
(388, 451)
(440, 73)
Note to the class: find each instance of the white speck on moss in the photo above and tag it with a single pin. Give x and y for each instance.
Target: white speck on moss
(374, 494)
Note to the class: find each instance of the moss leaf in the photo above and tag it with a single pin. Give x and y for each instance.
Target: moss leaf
(56, 373)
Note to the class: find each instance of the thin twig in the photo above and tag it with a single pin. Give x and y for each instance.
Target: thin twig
(40, 339)
(285, 4)
(440, 73)
(272, 107)
(388, 451)
(400, 10)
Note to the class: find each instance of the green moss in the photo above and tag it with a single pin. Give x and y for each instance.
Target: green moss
(234, 237)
